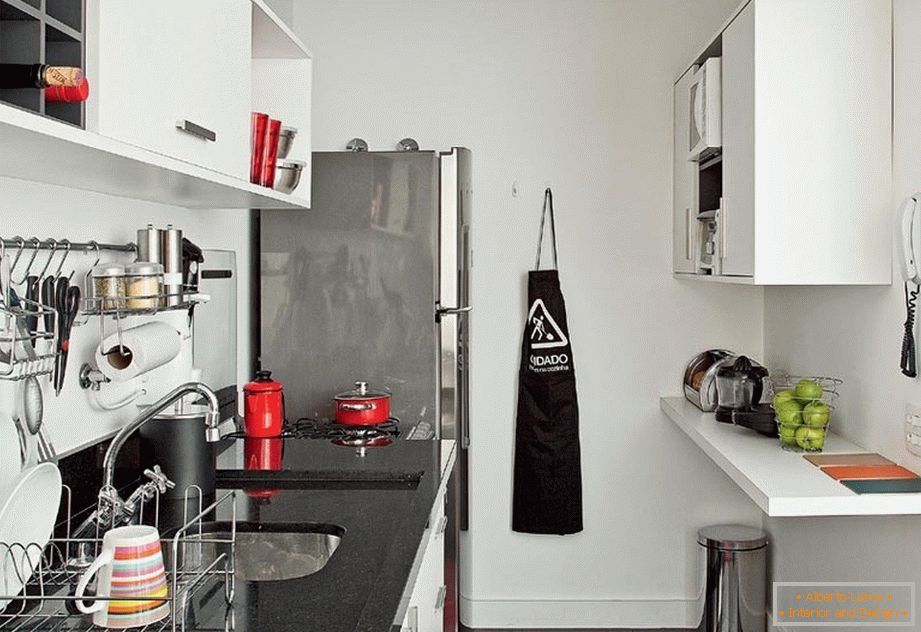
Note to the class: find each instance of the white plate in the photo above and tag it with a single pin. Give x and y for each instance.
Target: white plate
(26, 522)
(10, 458)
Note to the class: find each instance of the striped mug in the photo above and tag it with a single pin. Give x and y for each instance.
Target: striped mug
(131, 574)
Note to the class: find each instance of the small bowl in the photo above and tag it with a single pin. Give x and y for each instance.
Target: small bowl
(285, 141)
(288, 175)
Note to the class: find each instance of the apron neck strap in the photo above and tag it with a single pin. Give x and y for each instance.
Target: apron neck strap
(548, 205)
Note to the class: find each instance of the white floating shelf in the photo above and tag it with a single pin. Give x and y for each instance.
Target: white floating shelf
(50, 152)
(781, 483)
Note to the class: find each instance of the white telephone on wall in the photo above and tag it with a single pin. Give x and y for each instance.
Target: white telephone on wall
(909, 259)
(910, 239)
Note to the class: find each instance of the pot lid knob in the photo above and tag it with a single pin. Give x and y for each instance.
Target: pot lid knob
(263, 376)
(361, 387)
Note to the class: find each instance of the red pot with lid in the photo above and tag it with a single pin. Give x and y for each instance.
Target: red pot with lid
(263, 406)
(362, 406)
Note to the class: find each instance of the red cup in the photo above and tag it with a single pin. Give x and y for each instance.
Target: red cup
(271, 153)
(68, 94)
(259, 122)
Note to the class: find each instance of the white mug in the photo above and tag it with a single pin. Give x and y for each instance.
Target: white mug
(131, 573)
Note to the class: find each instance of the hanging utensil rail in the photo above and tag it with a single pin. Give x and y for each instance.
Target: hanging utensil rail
(47, 244)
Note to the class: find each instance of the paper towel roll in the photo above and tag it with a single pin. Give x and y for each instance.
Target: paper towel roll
(142, 349)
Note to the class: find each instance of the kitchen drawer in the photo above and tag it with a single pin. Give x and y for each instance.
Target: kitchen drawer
(156, 64)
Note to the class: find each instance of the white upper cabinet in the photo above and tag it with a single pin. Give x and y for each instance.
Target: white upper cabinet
(683, 182)
(737, 212)
(174, 77)
(805, 179)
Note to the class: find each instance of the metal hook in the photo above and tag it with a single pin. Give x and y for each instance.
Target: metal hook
(36, 245)
(66, 244)
(22, 245)
(53, 244)
(86, 277)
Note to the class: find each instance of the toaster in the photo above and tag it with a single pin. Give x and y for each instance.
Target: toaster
(700, 377)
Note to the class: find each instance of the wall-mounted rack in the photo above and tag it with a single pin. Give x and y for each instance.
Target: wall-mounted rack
(62, 244)
(32, 323)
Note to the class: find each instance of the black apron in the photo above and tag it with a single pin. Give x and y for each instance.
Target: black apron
(547, 495)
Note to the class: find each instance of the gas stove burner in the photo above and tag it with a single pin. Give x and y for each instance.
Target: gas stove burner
(351, 436)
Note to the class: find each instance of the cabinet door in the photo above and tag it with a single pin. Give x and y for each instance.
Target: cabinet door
(154, 64)
(216, 84)
(684, 182)
(737, 215)
(425, 612)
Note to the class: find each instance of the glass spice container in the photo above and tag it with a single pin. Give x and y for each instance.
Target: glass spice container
(109, 286)
(144, 284)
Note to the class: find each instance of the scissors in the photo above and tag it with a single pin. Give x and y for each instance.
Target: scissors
(67, 303)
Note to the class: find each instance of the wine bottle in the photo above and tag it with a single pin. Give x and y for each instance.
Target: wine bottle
(39, 76)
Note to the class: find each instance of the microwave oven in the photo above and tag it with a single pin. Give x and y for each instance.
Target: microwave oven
(705, 111)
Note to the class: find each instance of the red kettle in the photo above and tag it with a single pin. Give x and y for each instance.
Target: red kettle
(263, 406)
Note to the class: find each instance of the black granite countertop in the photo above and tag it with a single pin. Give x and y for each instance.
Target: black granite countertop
(382, 498)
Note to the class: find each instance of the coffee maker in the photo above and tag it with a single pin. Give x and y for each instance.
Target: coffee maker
(739, 390)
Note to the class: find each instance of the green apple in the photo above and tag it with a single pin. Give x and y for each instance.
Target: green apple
(789, 413)
(816, 414)
(783, 396)
(810, 439)
(807, 390)
(787, 433)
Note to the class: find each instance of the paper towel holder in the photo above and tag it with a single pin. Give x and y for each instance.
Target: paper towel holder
(91, 377)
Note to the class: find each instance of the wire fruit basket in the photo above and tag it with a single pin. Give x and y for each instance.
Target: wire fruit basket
(803, 408)
(50, 573)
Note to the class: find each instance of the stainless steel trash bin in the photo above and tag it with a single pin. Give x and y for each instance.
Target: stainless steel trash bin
(735, 578)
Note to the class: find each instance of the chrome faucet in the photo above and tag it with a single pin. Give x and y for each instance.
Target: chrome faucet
(212, 421)
(111, 511)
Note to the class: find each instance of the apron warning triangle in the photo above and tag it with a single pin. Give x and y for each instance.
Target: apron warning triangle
(544, 332)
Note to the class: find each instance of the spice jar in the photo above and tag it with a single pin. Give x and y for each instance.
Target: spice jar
(144, 284)
(109, 286)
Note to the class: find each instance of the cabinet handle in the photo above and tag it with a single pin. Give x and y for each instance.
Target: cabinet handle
(723, 216)
(196, 130)
(440, 600)
(687, 233)
(442, 525)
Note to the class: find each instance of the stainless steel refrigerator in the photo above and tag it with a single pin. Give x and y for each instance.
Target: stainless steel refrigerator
(372, 284)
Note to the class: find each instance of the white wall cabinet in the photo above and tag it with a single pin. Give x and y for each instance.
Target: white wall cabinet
(154, 64)
(737, 212)
(425, 612)
(180, 79)
(684, 183)
(807, 138)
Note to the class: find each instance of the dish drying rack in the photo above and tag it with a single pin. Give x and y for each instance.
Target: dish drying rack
(47, 602)
(25, 351)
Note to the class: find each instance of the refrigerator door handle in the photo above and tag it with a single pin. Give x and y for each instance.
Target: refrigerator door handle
(441, 312)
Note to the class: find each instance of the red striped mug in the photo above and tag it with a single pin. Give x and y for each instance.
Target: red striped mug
(131, 574)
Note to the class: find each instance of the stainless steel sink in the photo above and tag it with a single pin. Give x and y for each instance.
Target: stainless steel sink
(264, 552)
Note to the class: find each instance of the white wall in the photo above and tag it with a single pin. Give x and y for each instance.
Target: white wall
(46, 211)
(576, 94)
(855, 333)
